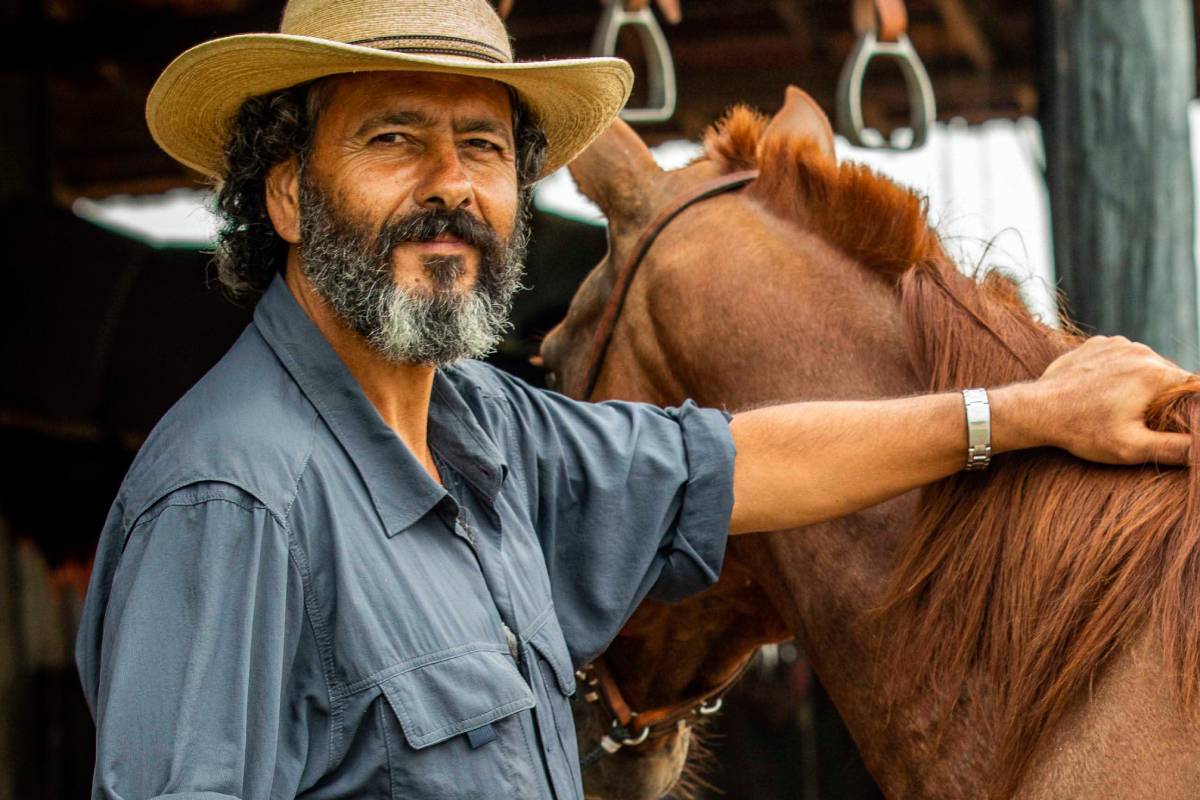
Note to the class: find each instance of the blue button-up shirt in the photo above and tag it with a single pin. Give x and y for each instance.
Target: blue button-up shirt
(285, 603)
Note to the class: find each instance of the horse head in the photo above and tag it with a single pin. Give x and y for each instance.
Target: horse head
(619, 174)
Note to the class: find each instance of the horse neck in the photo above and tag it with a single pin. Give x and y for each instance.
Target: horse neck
(833, 331)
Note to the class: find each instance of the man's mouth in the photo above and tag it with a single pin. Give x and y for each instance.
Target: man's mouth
(443, 243)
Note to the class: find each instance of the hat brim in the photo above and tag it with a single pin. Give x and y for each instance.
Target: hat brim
(192, 106)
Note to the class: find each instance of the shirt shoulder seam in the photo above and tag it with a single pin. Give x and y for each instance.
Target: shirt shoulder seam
(151, 510)
(160, 506)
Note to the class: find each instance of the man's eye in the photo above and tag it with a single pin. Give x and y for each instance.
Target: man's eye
(388, 138)
(484, 144)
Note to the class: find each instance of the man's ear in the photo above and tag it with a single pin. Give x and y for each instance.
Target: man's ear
(283, 199)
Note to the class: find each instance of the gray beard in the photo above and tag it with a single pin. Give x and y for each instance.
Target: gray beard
(351, 268)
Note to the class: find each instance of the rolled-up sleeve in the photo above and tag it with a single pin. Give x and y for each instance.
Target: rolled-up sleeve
(193, 697)
(696, 547)
(631, 500)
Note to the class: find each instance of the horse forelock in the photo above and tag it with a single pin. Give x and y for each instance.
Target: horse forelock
(1016, 587)
(732, 143)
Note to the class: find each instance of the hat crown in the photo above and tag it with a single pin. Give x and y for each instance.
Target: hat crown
(464, 28)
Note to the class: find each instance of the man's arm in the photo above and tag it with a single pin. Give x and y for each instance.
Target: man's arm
(195, 691)
(807, 462)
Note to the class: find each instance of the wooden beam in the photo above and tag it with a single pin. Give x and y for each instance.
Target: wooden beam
(966, 34)
(1119, 77)
(796, 23)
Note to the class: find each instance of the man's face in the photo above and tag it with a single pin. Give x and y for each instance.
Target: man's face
(409, 212)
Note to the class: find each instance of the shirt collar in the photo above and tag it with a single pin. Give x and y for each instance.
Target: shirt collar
(400, 488)
(455, 432)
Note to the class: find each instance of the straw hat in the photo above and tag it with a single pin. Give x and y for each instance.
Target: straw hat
(191, 108)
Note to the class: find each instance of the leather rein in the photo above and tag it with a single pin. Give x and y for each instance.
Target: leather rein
(631, 728)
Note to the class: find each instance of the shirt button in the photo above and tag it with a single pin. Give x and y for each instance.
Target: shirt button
(513, 644)
(463, 528)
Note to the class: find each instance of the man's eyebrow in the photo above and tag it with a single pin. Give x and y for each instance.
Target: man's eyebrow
(419, 119)
(410, 119)
(482, 125)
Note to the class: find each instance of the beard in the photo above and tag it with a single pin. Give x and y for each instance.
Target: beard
(350, 265)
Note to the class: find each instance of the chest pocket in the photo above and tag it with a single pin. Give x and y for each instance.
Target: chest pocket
(451, 729)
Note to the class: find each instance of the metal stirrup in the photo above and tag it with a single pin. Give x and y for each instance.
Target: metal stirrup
(661, 68)
(922, 106)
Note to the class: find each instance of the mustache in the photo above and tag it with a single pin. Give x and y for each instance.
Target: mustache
(427, 224)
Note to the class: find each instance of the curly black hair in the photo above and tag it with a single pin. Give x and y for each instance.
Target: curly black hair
(270, 129)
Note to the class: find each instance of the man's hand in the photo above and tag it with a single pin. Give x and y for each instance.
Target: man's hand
(1092, 402)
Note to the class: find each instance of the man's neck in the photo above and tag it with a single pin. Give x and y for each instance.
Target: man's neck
(399, 392)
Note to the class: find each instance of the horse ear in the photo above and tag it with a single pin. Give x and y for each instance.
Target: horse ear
(614, 169)
(800, 118)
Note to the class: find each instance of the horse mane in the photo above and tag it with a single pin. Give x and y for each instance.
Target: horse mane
(1018, 585)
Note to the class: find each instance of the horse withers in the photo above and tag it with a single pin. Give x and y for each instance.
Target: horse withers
(1031, 632)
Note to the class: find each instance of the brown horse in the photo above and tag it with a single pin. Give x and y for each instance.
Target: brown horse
(1030, 632)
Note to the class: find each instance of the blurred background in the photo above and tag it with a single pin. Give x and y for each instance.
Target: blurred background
(1062, 153)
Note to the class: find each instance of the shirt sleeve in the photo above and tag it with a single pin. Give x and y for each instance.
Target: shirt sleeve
(631, 500)
(202, 631)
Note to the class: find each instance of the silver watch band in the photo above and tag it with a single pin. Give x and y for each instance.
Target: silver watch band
(979, 428)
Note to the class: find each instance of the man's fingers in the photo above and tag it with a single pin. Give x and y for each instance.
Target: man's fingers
(1166, 448)
(1106, 387)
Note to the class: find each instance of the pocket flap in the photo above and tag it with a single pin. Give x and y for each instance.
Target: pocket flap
(550, 643)
(457, 694)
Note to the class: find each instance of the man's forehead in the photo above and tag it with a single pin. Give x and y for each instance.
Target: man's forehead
(363, 94)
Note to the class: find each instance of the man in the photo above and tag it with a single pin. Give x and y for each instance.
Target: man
(352, 562)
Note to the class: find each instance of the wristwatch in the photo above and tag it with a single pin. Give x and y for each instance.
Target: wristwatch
(979, 429)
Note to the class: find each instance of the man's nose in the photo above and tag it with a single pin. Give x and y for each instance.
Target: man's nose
(446, 185)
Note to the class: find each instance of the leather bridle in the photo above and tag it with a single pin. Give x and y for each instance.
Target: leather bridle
(629, 728)
(620, 290)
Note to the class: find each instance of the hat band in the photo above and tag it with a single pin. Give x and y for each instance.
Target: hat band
(425, 44)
